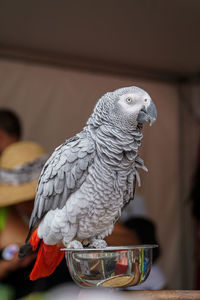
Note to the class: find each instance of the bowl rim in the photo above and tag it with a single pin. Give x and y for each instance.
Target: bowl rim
(110, 248)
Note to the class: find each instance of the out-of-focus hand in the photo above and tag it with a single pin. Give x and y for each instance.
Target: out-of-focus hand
(14, 263)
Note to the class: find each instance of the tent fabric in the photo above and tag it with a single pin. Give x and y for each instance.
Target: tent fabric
(54, 104)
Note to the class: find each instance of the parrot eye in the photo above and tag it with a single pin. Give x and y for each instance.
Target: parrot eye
(129, 100)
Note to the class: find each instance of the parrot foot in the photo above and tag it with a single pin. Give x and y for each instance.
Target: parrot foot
(97, 243)
(74, 245)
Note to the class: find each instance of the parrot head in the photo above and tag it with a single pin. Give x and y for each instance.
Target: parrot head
(127, 108)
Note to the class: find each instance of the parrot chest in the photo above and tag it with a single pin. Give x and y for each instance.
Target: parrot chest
(90, 211)
(104, 196)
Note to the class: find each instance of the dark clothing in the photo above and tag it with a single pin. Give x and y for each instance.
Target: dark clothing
(22, 286)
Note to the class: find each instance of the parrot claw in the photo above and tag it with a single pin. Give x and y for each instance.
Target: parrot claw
(98, 244)
(75, 245)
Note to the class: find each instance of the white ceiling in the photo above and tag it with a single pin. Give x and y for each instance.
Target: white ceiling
(153, 36)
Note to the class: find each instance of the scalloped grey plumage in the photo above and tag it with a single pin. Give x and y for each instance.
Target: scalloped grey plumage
(96, 169)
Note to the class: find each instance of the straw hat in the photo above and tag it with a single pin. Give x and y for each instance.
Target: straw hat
(20, 166)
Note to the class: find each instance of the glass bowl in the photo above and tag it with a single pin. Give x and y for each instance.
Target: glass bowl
(113, 267)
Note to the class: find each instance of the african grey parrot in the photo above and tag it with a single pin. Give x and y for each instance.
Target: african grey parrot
(89, 179)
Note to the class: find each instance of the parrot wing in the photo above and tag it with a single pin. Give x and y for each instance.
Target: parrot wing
(132, 178)
(63, 173)
(130, 191)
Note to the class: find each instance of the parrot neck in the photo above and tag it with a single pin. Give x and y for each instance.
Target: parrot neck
(114, 146)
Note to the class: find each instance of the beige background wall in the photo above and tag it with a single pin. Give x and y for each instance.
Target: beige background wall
(54, 104)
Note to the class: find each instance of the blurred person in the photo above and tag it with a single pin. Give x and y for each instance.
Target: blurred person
(10, 128)
(140, 231)
(20, 166)
(122, 236)
(135, 208)
(146, 232)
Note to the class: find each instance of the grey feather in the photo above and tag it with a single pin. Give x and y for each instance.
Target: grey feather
(71, 156)
(59, 185)
(82, 154)
(82, 164)
(70, 182)
(46, 189)
(40, 205)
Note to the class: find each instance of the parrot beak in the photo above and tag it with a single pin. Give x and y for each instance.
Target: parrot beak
(152, 113)
(148, 114)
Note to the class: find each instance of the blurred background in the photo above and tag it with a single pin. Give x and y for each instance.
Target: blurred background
(58, 57)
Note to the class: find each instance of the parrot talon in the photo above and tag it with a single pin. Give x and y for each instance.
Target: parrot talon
(85, 242)
(74, 245)
(97, 243)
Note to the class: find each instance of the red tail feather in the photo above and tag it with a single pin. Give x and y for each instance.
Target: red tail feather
(34, 240)
(48, 258)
